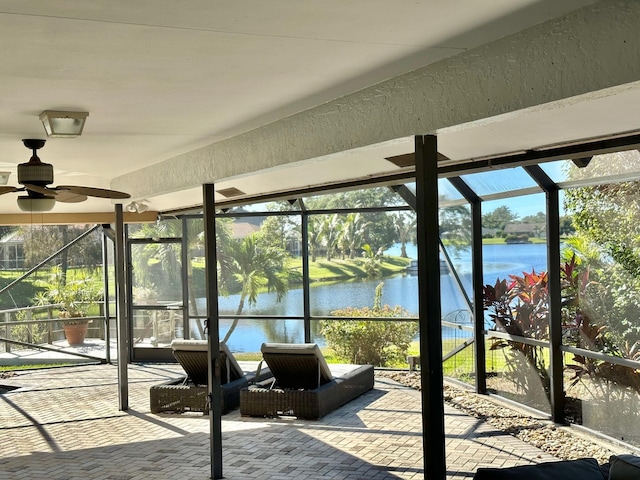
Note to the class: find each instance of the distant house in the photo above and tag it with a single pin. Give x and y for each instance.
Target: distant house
(243, 229)
(12, 251)
(246, 225)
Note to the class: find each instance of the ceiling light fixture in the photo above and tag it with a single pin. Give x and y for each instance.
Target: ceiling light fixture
(31, 204)
(4, 177)
(63, 124)
(137, 207)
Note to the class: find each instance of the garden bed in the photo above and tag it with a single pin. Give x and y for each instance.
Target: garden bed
(562, 442)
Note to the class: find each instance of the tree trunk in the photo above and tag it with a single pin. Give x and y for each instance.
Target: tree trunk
(64, 230)
(235, 320)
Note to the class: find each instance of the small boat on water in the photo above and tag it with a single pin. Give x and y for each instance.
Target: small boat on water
(412, 269)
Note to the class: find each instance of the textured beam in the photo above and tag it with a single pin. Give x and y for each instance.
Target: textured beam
(74, 218)
(589, 53)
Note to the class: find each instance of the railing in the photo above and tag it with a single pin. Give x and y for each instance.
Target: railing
(49, 332)
(625, 362)
(7, 314)
(51, 335)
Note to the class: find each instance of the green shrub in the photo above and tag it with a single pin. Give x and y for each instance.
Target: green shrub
(29, 333)
(376, 342)
(516, 239)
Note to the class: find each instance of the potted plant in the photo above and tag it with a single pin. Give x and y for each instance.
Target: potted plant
(74, 297)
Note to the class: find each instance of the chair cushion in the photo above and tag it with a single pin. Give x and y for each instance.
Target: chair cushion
(582, 469)
(624, 467)
(189, 345)
(197, 369)
(296, 365)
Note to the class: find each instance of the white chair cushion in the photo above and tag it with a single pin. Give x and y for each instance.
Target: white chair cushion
(300, 349)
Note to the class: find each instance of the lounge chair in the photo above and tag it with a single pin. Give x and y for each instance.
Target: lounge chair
(189, 394)
(304, 385)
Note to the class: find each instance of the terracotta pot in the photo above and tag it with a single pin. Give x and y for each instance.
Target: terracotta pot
(75, 333)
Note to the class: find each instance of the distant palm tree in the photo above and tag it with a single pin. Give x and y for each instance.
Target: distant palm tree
(405, 226)
(168, 254)
(352, 234)
(330, 231)
(315, 236)
(256, 265)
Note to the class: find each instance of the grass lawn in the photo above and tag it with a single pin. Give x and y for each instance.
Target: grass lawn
(327, 271)
(463, 361)
(338, 270)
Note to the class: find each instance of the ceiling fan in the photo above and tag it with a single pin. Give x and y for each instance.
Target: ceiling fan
(35, 177)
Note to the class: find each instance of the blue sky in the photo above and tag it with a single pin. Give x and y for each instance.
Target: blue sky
(497, 181)
(522, 206)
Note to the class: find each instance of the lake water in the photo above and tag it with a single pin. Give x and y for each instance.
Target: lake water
(499, 262)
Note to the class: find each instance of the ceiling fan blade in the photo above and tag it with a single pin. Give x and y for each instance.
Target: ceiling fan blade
(94, 192)
(8, 189)
(47, 192)
(67, 196)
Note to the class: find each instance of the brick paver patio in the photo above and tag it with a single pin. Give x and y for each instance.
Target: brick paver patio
(64, 424)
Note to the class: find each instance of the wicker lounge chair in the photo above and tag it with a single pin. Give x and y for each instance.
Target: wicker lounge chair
(189, 394)
(304, 385)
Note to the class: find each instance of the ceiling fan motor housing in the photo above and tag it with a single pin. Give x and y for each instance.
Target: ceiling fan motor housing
(36, 173)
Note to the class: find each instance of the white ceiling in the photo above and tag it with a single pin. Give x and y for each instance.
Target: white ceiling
(162, 78)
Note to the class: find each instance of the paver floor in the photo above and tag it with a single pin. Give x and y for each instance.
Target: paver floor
(65, 424)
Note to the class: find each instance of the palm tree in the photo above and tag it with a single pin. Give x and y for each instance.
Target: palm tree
(256, 265)
(168, 254)
(405, 226)
(455, 227)
(315, 236)
(352, 235)
(330, 233)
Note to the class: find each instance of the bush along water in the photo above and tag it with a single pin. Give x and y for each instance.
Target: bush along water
(376, 342)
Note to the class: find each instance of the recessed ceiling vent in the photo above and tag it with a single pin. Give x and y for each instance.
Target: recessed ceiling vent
(230, 192)
(409, 160)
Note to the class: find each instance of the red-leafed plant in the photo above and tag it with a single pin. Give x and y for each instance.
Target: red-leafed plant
(520, 307)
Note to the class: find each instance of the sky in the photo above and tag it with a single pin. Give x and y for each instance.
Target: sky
(505, 180)
(522, 206)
